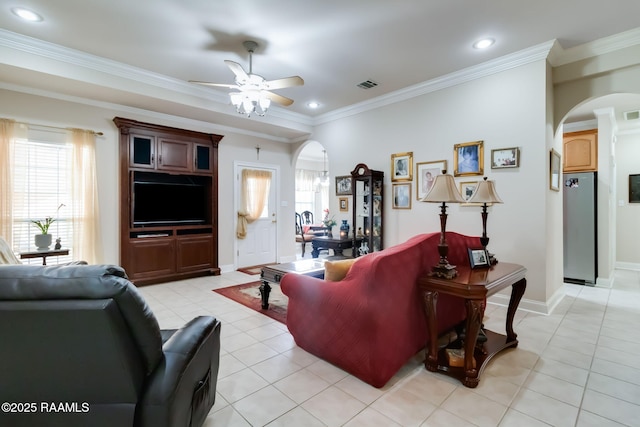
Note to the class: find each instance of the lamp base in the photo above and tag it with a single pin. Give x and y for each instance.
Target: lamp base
(446, 271)
(492, 259)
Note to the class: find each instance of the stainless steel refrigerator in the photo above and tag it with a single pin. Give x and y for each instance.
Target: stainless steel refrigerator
(580, 227)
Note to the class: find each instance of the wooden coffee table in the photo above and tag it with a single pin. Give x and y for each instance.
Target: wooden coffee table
(274, 273)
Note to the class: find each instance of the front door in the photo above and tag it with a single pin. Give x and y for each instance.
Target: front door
(260, 245)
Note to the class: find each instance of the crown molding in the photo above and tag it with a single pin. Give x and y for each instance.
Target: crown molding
(561, 56)
(75, 58)
(503, 63)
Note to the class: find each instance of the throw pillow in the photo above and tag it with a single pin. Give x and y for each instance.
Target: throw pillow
(334, 271)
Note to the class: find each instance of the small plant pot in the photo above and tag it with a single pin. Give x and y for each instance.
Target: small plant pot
(42, 241)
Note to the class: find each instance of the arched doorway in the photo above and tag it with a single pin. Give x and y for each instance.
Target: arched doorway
(618, 149)
(312, 180)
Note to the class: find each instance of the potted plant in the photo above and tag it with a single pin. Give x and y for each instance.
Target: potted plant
(329, 223)
(43, 240)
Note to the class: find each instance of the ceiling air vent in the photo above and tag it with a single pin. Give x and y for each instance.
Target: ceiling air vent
(632, 115)
(367, 84)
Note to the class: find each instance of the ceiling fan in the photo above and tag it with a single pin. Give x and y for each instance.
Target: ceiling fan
(254, 91)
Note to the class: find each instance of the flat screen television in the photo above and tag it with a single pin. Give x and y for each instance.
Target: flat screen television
(163, 199)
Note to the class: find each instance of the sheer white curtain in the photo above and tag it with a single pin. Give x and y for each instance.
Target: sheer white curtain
(10, 130)
(255, 188)
(87, 244)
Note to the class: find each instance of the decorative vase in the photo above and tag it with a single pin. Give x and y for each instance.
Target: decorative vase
(344, 229)
(42, 241)
(330, 232)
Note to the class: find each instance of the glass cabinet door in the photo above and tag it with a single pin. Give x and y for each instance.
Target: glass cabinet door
(367, 212)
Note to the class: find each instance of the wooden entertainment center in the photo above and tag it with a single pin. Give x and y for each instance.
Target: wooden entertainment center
(168, 202)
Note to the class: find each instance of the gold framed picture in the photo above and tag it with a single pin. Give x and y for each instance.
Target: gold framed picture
(344, 204)
(402, 167)
(468, 158)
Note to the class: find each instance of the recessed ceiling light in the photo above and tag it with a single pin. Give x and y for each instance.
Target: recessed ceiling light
(313, 105)
(26, 14)
(483, 44)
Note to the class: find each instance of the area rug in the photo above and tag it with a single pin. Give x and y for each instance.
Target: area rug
(255, 269)
(248, 294)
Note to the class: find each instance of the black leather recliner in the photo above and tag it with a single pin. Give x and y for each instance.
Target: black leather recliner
(80, 347)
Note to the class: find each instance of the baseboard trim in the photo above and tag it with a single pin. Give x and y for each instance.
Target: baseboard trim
(529, 304)
(628, 266)
(227, 268)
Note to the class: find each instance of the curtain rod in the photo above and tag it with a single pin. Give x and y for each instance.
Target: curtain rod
(61, 128)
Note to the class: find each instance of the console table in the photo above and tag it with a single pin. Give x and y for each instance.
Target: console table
(474, 285)
(337, 244)
(44, 254)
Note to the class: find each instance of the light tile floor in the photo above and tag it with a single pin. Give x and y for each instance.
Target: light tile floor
(576, 367)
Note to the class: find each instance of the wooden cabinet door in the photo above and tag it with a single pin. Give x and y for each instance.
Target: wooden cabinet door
(152, 257)
(195, 253)
(202, 161)
(580, 151)
(174, 155)
(142, 151)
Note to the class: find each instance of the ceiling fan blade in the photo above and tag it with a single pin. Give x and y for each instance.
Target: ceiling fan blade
(285, 82)
(214, 84)
(237, 70)
(274, 97)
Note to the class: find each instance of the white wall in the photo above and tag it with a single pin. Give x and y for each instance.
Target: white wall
(627, 150)
(505, 110)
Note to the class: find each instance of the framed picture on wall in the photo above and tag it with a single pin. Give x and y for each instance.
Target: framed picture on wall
(402, 167)
(468, 158)
(634, 188)
(426, 173)
(505, 158)
(343, 185)
(344, 204)
(401, 196)
(554, 170)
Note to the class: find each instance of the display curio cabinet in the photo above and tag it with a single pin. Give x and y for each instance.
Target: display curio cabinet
(367, 187)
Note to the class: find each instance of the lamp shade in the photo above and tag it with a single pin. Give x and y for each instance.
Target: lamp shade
(485, 193)
(443, 190)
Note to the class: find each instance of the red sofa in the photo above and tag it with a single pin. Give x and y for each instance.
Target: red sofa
(372, 322)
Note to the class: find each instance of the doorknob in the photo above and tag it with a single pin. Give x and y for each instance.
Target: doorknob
(273, 218)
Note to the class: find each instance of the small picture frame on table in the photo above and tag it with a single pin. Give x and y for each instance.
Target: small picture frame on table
(344, 204)
(478, 257)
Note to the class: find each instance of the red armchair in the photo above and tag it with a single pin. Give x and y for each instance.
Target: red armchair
(372, 322)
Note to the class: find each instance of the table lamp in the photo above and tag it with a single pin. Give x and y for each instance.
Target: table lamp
(443, 190)
(486, 194)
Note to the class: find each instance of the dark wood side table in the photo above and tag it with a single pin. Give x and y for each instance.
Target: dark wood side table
(337, 244)
(474, 286)
(44, 254)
